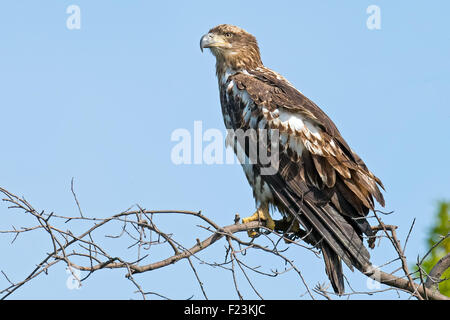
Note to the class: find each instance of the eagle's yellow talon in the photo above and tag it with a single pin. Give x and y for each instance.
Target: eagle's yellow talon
(252, 233)
(262, 214)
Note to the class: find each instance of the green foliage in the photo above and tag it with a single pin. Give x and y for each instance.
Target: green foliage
(441, 227)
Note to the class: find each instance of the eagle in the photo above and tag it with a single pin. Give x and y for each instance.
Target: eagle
(321, 187)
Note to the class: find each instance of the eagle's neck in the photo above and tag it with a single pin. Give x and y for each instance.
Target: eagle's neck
(222, 75)
(229, 64)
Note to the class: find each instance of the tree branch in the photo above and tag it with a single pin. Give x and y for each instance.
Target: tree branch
(140, 227)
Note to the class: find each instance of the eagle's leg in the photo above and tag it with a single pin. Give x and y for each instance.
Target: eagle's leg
(294, 226)
(262, 214)
(289, 227)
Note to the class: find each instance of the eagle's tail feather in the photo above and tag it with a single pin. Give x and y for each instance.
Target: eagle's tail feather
(331, 232)
(333, 268)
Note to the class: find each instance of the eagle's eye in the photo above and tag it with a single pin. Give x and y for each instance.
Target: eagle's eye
(228, 34)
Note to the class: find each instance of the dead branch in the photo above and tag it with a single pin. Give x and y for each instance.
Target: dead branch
(83, 252)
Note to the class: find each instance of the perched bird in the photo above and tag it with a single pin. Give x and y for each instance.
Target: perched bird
(322, 188)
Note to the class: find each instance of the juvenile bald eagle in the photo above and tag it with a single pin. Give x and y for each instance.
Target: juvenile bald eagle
(320, 186)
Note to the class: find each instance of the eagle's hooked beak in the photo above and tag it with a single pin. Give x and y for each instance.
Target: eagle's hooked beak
(210, 40)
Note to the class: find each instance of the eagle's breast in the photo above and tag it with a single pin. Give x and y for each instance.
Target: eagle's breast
(240, 114)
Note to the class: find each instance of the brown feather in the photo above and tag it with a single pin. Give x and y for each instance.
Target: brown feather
(360, 192)
(325, 171)
(343, 170)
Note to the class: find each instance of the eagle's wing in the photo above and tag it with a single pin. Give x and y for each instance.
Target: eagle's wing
(320, 180)
(303, 126)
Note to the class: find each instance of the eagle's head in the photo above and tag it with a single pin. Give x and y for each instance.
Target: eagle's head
(233, 47)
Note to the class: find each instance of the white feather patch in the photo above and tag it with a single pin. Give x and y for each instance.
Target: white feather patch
(313, 130)
(295, 121)
(225, 76)
(296, 145)
(230, 85)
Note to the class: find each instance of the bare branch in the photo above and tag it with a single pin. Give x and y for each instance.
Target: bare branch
(138, 225)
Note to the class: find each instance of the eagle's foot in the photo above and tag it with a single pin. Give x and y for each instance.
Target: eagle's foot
(262, 214)
(289, 227)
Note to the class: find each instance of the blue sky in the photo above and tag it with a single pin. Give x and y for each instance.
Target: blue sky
(100, 104)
